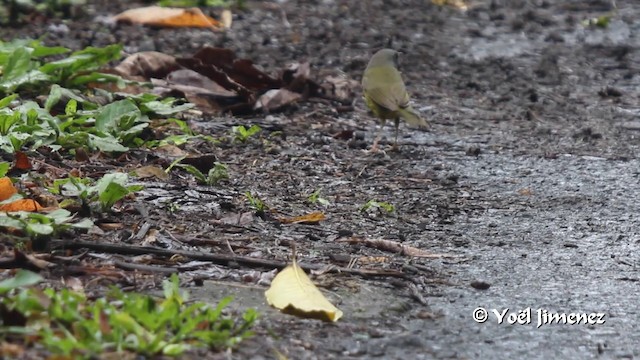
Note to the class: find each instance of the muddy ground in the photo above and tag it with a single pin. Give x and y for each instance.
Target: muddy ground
(528, 175)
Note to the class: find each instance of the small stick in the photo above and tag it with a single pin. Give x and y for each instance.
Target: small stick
(146, 268)
(220, 259)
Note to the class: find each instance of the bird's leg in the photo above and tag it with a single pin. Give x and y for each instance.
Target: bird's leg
(374, 147)
(395, 143)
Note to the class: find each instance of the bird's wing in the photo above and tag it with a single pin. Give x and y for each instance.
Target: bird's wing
(388, 90)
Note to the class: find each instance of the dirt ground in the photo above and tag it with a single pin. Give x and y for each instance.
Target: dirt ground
(528, 176)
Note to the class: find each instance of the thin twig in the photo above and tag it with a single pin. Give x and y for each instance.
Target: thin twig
(220, 259)
(146, 268)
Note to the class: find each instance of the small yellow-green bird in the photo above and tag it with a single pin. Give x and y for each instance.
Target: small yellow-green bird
(385, 93)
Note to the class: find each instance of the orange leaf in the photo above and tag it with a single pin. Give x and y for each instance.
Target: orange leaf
(6, 188)
(21, 205)
(22, 161)
(311, 218)
(169, 17)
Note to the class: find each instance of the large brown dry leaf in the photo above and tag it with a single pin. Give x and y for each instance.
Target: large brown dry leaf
(198, 83)
(151, 171)
(341, 86)
(241, 71)
(22, 161)
(168, 17)
(206, 94)
(170, 151)
(296, 76)
(235, 75)
(276, 99)
(216, 81)
(146, 65)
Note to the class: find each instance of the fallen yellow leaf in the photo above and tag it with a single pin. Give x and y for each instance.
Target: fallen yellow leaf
(168, 17)
(458, 4)
(310, 218)
(294, 293)
(226, 19)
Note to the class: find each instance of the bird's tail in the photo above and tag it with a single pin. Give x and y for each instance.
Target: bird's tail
(413, 118)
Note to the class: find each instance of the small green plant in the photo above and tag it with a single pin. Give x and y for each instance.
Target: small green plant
(152, 104)
(21, 279)
(24, 65)
(69, 118)
(180, 139)
(172, 207)
(316, 198)
(186, 134)
(598, 22)
(110, 128)
(42, 224)
(217, 173)
(256, 203)
(66, 323)
(108, 190)
(601, 21)
(38, 225)
(373, 204)
(242, 134)
(4, 168)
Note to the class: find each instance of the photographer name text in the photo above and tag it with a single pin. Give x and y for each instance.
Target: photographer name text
(542, 316)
